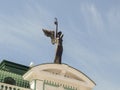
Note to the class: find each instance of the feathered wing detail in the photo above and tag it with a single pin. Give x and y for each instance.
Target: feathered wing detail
(50, 34)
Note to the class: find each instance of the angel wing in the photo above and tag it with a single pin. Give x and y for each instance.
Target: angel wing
(50, 34)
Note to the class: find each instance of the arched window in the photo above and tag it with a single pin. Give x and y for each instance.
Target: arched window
(9, 80)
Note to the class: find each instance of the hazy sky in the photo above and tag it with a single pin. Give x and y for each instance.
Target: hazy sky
(91, 35)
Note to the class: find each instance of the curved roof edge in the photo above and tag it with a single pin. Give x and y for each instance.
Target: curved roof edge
(68, 66)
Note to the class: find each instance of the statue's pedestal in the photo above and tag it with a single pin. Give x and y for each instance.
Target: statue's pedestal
(57, 77)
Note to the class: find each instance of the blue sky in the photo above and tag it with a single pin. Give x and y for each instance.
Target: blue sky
(91, 35)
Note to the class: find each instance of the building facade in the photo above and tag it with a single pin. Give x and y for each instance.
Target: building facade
(51, 76)
(11, 76)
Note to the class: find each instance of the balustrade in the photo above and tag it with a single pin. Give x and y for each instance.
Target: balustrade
(4, 86)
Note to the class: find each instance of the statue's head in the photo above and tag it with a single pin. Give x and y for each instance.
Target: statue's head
(59, 33)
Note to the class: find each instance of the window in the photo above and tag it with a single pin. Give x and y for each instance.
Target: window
(9, 80)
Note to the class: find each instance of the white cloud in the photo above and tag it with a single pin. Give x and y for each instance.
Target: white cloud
(21, 33)
(93, 19)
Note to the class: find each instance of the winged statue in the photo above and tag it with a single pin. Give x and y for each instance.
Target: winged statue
(56, 38)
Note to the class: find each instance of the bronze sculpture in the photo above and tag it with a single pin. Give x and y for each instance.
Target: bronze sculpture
(56, 38)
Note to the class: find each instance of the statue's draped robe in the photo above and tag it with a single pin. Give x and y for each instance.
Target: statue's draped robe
(59, 51)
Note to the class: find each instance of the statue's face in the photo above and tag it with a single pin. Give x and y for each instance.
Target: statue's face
(59, 34)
